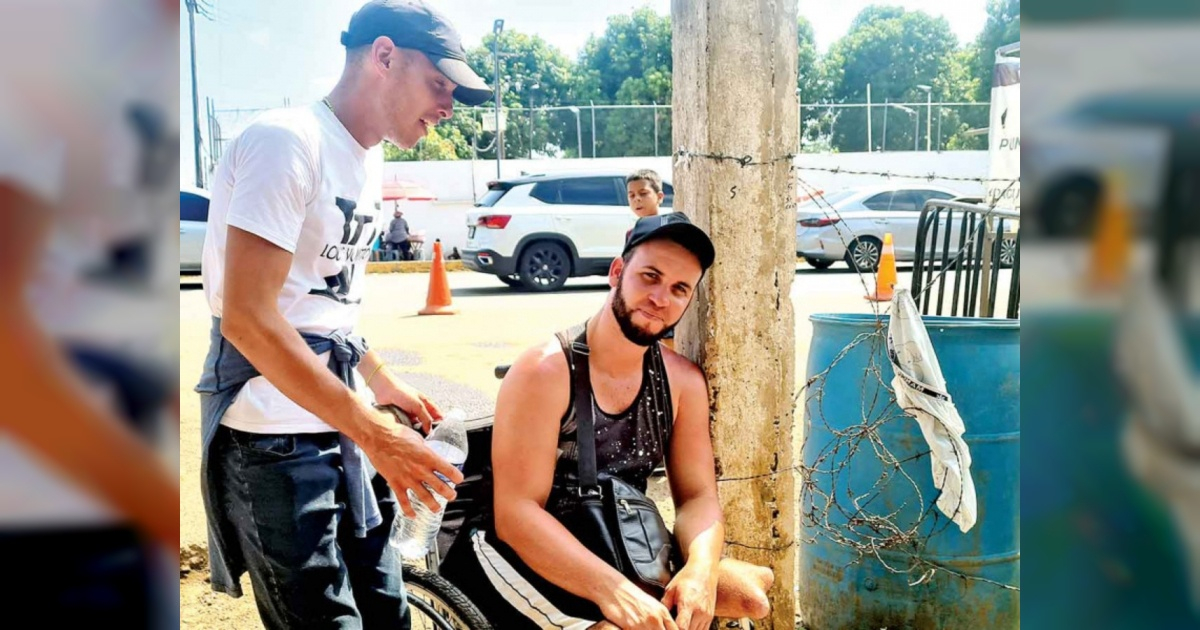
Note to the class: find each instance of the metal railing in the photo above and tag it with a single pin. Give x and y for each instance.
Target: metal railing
(988, 239)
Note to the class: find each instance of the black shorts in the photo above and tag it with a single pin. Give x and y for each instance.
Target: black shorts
(508, 592)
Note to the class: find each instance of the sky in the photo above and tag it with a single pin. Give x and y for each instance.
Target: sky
(261, 53)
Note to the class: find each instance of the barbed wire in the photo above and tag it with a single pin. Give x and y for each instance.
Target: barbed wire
(889, 514)
(907, 529)
(748, 160)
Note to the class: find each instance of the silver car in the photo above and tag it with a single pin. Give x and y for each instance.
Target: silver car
(848, 225)
(193, 220)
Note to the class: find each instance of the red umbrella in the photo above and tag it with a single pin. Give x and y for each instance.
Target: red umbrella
(410, 191)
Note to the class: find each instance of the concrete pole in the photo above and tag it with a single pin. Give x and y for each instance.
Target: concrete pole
(741, 328)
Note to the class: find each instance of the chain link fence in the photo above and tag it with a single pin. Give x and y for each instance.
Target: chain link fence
(591, 130)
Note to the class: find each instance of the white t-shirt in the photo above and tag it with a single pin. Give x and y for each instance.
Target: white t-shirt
(99, 144)
(297, 178)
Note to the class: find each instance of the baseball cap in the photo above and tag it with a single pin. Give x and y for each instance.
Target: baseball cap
(677, 227)
(415, 25)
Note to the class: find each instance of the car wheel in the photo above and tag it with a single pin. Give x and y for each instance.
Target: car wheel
(1008, 253)
(1069, 208)
(863, 254)
(817, 263)
(512, 281)
(544, 266)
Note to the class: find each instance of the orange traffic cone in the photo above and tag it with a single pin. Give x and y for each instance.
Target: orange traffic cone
(885, 276)
(1113, 237)
(438, 300)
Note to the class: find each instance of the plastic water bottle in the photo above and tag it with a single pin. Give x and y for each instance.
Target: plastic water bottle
(416, 536)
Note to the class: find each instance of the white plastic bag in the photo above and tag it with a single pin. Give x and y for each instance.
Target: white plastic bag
(921, 392)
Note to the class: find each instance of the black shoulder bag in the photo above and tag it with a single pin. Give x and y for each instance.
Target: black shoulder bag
(614, 520)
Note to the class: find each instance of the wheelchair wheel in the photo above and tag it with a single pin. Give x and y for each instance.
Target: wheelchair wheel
(436, 604)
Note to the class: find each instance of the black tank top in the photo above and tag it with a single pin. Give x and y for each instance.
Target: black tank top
(629, 444)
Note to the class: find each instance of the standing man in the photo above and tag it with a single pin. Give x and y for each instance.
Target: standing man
(301, 477)
(87, 309)
(397, 235)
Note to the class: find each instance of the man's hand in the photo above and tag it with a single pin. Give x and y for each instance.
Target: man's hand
(401, 456)
(390, 390)
(693, 595)
(630, 608)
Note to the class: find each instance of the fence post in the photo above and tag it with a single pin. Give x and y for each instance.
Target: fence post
(654, 108)
(887, 104)
(868, 118)
(593, 104)
(940, 129)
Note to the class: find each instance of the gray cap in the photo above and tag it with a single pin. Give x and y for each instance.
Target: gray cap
(415, 25)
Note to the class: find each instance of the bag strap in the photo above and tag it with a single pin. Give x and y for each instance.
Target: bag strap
(585, 420)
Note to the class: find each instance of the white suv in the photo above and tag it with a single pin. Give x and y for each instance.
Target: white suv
(537, 231)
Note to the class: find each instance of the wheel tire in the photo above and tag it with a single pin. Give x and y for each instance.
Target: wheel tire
(864, 253)
(444, 598)
(817, 263)
(544, 266)
(512, 281)
(1008, 253)
(1069, 208)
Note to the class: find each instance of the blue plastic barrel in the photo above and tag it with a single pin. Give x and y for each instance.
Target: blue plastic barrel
(839, 587)
(1104, 550)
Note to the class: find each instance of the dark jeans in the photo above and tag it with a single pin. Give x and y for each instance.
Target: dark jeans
(308, 570)
(74, 577)
(404, 246)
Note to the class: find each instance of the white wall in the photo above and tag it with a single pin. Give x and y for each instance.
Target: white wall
(458, 183)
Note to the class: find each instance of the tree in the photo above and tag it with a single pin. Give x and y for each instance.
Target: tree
(449, 140)
(814, 85)
(894, 50)
(533, 73)
(630, 64)
(1003, 26)
(433, 147)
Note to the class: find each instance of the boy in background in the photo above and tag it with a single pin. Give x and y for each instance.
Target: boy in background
(645, 192)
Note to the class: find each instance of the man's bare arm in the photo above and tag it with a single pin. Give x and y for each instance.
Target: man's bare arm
(533, 399)
(699, 527)
(255, 271)
(47, 405)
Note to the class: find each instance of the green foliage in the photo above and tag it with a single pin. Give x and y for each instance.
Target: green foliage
(630, 63)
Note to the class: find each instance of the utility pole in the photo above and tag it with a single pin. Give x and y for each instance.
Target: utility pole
(192, 9)
(748, 212)
(497, 28)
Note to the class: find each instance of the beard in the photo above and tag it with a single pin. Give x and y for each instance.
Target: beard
(631, 331)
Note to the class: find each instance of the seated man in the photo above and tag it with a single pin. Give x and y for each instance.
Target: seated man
(398, 235)
(516, 560)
